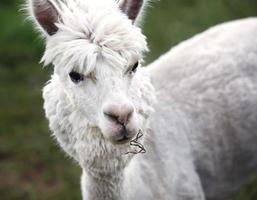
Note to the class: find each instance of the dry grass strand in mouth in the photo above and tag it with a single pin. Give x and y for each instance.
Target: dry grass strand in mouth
(135, 143)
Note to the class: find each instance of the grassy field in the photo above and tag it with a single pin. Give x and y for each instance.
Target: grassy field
(32, 167)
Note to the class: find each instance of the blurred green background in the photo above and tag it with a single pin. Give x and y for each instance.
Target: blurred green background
(32, 167)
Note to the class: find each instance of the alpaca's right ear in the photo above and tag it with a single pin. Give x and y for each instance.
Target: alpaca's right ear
(46, 15)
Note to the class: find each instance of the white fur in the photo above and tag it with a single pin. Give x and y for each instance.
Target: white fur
(205, 119)
(207, 92)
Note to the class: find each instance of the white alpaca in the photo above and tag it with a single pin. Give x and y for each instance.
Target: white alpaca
(201, 141)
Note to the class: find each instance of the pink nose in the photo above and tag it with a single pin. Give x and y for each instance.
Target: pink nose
(118, 114)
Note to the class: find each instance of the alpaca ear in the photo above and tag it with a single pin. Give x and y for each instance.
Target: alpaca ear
(45, 14)
(131, 8)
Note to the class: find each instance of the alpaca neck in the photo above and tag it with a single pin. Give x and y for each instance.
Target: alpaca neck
(102, 186)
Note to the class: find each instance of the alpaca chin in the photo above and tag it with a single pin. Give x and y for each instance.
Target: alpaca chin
(101, 156)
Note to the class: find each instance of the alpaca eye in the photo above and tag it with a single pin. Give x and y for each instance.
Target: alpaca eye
(76, 77)
(134, 69)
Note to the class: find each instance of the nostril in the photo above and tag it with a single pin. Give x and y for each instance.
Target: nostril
(129, 113)
(111, 116)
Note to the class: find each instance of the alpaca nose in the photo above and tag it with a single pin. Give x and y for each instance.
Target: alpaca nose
(119, 114)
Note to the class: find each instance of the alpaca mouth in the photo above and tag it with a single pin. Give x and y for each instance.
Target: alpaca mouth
(123, 137)
(123, 140)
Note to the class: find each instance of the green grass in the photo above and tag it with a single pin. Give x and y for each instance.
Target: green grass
(32, 167)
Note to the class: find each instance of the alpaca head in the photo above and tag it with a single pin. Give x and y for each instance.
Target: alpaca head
(98, 90)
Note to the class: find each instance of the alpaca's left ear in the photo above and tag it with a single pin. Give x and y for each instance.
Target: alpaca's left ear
(131, 8)
(45, 14)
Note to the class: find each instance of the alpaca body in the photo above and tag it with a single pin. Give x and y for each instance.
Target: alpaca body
(207, 89)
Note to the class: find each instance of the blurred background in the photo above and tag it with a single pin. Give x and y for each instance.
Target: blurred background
(32, 167)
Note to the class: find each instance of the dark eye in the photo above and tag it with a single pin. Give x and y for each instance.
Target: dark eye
(134, 69)
(76, 77)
